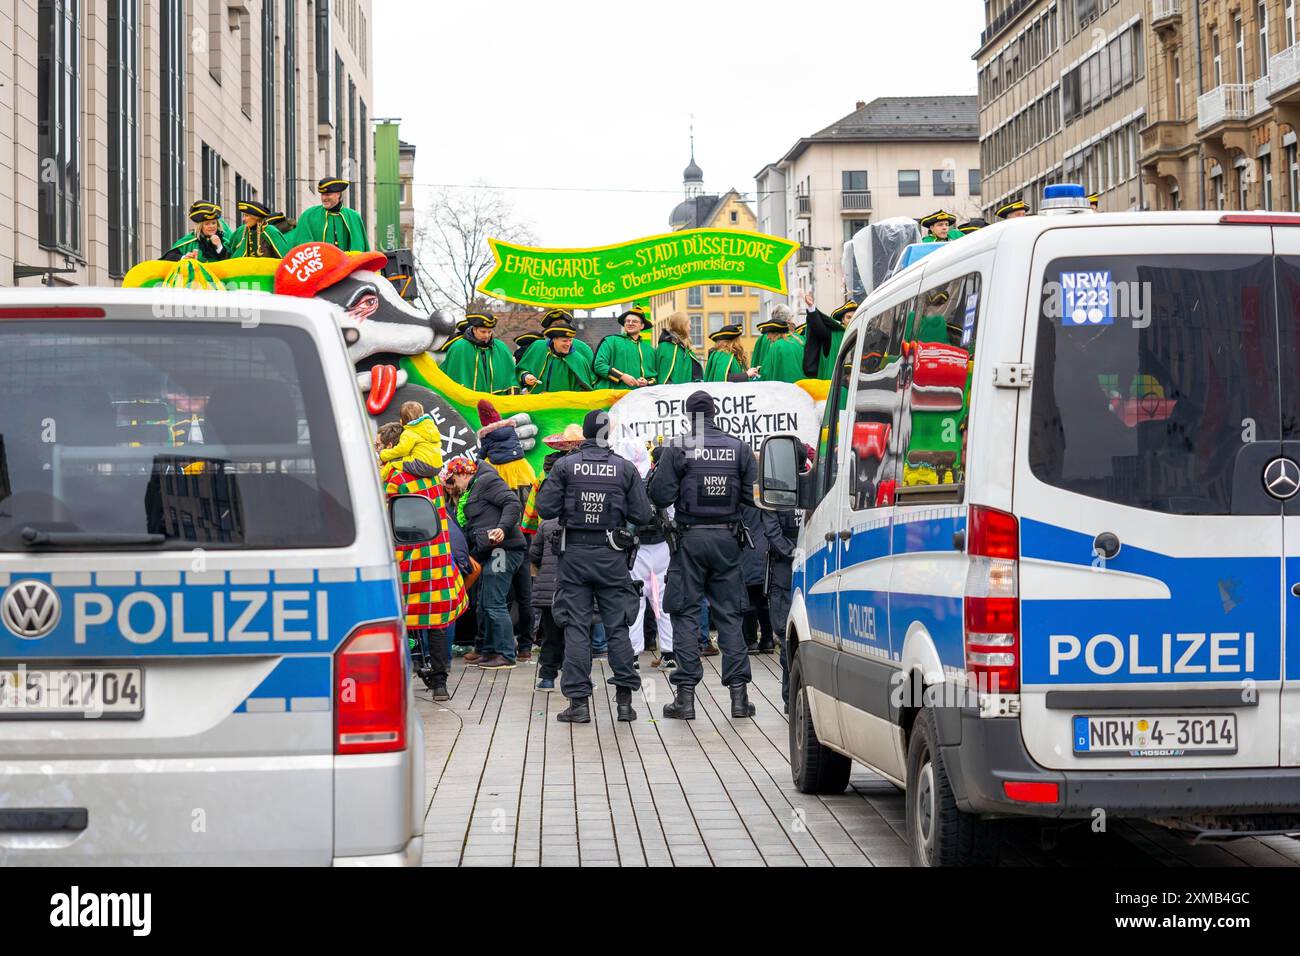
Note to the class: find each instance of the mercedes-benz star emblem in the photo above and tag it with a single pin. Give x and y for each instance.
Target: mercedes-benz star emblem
(1282, 478)
(30, 609)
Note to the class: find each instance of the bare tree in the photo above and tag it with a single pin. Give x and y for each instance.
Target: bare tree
(452, 255)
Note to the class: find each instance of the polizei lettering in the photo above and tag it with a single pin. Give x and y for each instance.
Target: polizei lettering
(584, 470)
(202, 617)
(715, 454)
(1191, 654)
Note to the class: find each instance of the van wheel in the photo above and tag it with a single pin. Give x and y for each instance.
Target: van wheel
(938, 833)
(816, 769)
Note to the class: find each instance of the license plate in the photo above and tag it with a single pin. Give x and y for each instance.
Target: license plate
(115, 693)
(1161, 735)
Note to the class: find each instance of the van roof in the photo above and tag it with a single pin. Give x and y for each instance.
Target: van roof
(178, 304)
(1030, 227)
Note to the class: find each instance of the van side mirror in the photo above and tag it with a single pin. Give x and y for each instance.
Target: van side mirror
(414, 520)
(779, 459)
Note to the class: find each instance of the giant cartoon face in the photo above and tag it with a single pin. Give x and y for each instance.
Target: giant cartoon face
(386, 324)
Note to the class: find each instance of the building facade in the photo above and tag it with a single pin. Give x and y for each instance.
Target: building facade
(894, 156)
(710, 307)
(1225, 105)
(117, 114)
(406, 176)
(1063, 98)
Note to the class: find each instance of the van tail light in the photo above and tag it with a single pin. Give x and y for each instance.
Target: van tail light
(51, 312)
(370, 690)
(992, 606)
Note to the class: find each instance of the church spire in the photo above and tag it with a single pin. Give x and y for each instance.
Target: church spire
(693, 176)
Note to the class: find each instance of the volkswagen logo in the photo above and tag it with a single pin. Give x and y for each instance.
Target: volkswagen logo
(30, 609)
(1282, 478)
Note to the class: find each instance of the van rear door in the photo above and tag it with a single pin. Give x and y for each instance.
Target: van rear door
(1151, 552)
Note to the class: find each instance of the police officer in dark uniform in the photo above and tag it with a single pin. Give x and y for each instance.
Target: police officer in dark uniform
(708, 479)
(596, 495)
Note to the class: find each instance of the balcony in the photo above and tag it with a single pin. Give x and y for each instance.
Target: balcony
(805, 255)
(1284, 75)
(1229, 103)
(803, 207)
(855, 200)
(1261, 88)
(1166, 14)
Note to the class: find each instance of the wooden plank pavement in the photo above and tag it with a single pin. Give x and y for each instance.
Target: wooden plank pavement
(509, 786)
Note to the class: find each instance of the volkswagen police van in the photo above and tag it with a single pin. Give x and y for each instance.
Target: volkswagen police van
(1051, 550)
(202, 657)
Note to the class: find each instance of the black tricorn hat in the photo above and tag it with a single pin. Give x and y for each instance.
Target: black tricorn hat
(332, 184)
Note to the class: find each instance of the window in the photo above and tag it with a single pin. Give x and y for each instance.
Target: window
(1216, 188)
(1176, 65)
(1293, 175)
(754, 319)
(715, 290)
(873, 441)
(1289, 10)
(935, 402)
(909, 182)
(1121, 412)
(244, 190)
(735, 217)
(693, 296)
(59, 124)
(363, 132)
(340, 131)
(269, 463)
(290, 206)
(1239, 48)
(697, 331)
(1261, 23)
(973, 180)
(324, 44)
(944, 184)
(853, 226)
(1216, 59)
(352, 130)
(123, 136)
(827, 466)
(736, 290)
(1243, 186)
(269, 139)
(211, 171)
(737, 319)
(1266, 178)
(854, 180)
(716, 321)
(171, 112)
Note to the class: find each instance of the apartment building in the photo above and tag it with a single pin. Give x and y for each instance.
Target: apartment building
(117, 114)
(1225, 105)
(895, 156)
(1063, 98)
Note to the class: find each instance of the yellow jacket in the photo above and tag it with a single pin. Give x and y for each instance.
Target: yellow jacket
(420, 441)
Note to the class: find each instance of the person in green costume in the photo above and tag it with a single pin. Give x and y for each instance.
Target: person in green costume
(941, 226)
(480, 361)
(562, 367)
(257, 237)
(535, 352)
(783, 357)
(627, 359)
(522, 341)
(825, 333)
(1015, 209)
(782, 313)
(332, 221)
(675, 361)
(210, 240)
(727, 359)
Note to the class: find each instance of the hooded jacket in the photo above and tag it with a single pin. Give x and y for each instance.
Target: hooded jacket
(542, 555)
(420, 441)
(491, 504)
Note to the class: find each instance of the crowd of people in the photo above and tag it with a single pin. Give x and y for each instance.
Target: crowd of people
(495, 587)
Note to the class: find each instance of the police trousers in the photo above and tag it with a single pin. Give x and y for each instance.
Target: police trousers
(594, 575)
(707, 564)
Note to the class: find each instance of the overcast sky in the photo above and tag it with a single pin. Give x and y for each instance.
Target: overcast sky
(593, 100)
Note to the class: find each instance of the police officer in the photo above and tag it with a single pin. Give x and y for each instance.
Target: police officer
(596, 495)
(708, 479)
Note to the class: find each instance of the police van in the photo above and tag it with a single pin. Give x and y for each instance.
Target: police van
(202, 655)
(1050, 563)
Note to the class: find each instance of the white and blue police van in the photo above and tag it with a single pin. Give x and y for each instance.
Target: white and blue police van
(1050, 563)
(202, 652)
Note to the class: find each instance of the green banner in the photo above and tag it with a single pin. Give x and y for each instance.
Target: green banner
(388, 188)
(609, 275)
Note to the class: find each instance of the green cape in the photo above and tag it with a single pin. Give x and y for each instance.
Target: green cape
(675, 365)
(783, 361)
(722, 365)
(535, 354)
(344, 228)
(190, 243)
(487, 368)
(243, 243)
(558, 373)
(619, 351)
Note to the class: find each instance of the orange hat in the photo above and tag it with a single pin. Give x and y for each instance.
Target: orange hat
(307, 269)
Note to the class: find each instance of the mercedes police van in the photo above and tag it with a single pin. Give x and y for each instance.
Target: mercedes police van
(1051, 549)
(202, 656)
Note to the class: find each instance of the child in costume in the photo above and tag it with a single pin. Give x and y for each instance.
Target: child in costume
(420, 440)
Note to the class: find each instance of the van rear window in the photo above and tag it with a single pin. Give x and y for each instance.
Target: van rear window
(177, 435)
(1149, 373)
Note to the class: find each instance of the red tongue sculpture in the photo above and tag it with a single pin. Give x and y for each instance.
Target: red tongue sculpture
(383, 384)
